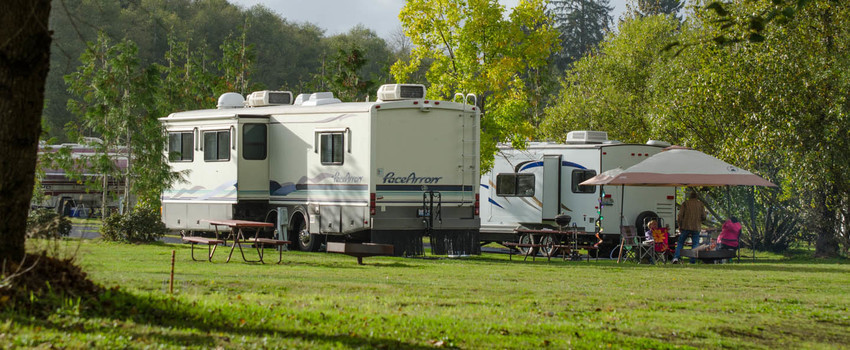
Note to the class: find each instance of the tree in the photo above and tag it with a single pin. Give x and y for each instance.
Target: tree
(582, 25)
(473, 48)
(24, 62)
(116, 102)
(613, 90)
(344, 78)
(659, 7)
(778, 108)
(374, 50)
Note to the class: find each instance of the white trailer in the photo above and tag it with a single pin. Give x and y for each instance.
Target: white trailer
(527, 189)
(389, 171)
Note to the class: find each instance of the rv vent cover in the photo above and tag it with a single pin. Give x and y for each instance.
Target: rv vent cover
(587, 136)
(230, 100)
(316, 99)
(394, 92)
(269, 98)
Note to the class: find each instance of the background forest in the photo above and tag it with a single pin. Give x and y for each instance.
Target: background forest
(760, 84)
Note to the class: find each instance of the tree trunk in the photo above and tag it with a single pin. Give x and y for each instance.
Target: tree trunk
(826, 245)
(24, 62)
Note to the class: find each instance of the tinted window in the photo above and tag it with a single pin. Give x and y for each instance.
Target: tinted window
(180, 146)
(254, 141)
(515, 185)
(332, 148)
(580, 176)
(216, 145)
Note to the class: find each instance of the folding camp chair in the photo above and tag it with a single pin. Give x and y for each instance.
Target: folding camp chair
(661, 238)
(628, 249)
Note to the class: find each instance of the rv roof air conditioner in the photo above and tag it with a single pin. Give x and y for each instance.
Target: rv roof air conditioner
(230, 100)
(658, 143)
(316, 99)
(586, 137)
(394, 92)
(269, 98)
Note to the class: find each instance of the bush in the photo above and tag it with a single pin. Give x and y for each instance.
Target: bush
(46, 223)
(139, 226)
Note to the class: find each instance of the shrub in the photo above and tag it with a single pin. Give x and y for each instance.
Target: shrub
(46, 223)
(139, 226)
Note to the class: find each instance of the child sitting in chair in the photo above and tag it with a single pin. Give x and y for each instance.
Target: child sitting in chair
(652, 225)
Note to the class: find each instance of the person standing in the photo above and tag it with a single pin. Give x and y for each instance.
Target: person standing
(690, 219)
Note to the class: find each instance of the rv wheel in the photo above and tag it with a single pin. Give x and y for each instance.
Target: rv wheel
(527, 239)
(307, 241)
(547, 248)
(302, 239)
(643, 218)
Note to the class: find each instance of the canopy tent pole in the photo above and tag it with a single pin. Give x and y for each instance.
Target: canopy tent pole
(622, 201)
(753, 219)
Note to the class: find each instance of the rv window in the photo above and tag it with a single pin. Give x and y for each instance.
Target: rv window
(332, 148)
(180, 146)
(254, 141)
(515, 185)
(216, 145)
(580, 176)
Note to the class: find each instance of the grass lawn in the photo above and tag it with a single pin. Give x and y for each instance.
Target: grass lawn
(318, 300)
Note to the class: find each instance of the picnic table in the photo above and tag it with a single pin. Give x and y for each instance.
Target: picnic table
(237, 228)
(565, 240)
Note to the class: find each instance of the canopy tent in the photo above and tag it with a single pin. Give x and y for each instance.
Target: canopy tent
(677, 166)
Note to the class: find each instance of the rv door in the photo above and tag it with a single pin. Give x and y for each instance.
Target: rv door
(551, 186)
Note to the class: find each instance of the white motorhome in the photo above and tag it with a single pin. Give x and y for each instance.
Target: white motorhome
(389, 171)
(528, 189)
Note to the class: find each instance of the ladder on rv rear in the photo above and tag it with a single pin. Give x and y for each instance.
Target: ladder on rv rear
(467, 159)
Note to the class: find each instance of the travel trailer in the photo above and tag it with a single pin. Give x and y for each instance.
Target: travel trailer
(389, 171)
(527, 189)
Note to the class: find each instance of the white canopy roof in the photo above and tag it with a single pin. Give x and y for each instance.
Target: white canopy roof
(679, 166)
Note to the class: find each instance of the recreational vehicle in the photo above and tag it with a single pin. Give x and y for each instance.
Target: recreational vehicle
(528, 189)
(68, 193)
(389, 171)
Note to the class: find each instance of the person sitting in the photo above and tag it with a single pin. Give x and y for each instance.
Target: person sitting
(729, 234)
(650, 226)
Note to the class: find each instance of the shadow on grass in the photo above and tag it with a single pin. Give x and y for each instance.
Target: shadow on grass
(214, 329)
(779, 267)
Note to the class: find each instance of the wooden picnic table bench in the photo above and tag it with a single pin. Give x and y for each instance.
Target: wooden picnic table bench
(360, 250)
(516, 246)
(565, 241)
(211, 243)
(237, 228)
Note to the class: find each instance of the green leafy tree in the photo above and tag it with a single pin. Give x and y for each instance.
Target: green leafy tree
(188, 78)
(473, 47)
(582, 25)
(116, 101)
(659, 7)
(613, 91)
(778, 108)
(344, 77)
(374, 50)
(237, 63)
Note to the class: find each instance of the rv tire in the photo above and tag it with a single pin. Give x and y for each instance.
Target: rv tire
(301, 237)
(527, 239)
(548, 242)
(308, 242)
(643, 216)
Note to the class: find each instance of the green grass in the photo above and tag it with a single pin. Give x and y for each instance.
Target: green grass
(317, 300)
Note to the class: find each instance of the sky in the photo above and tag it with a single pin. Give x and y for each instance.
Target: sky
(338, 16)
